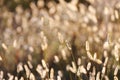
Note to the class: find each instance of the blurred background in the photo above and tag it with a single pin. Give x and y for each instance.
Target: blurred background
(40, 29)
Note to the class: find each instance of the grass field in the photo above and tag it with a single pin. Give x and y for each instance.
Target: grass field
(60, 40)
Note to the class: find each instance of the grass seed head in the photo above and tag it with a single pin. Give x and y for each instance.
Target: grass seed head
(32, 77)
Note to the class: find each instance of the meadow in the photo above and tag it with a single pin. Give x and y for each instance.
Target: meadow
(60, 40)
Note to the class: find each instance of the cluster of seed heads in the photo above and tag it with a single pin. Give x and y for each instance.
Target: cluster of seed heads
(61, 41)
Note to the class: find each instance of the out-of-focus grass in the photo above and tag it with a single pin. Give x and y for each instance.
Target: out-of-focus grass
(60, 40)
